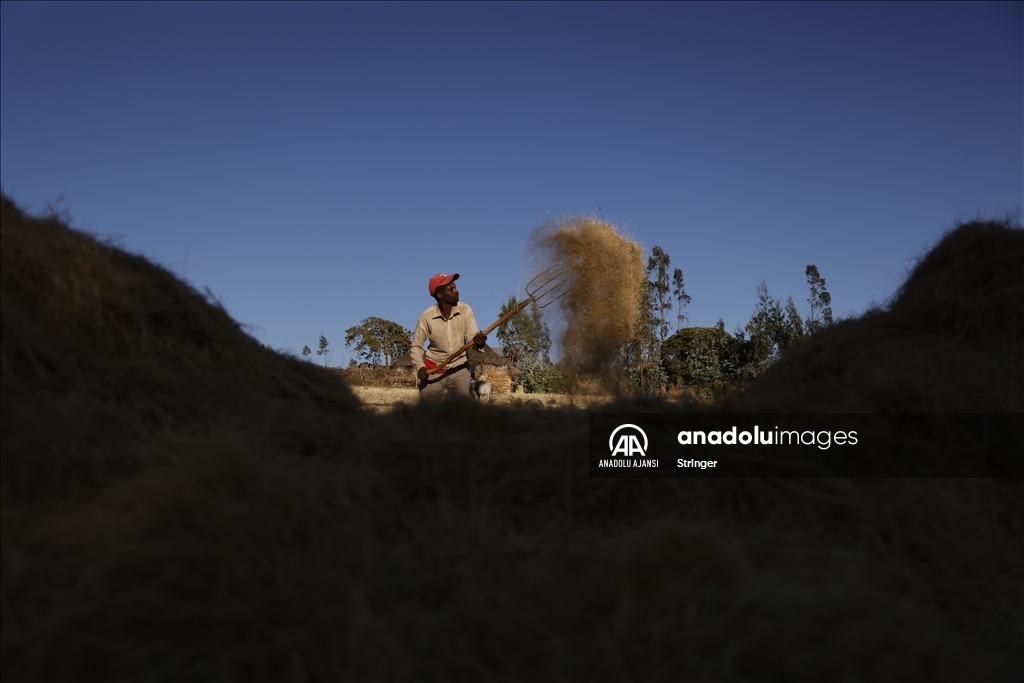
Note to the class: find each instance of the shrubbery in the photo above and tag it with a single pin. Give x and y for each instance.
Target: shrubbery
(538, 377)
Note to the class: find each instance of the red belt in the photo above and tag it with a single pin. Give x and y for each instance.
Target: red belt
(430, 365)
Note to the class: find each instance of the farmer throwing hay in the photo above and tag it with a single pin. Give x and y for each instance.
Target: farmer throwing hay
(451, 329)
(449, 325)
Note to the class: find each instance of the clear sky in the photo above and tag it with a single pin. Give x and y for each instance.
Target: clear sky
(314, 164)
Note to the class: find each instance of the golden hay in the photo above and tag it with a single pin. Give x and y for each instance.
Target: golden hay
(603, 272)
(178, 502)
(499, 379)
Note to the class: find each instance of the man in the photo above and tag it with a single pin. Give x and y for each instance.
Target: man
(448, 325)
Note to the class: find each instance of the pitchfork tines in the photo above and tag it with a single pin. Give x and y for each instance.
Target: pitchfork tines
(545, 288)
(549, 285)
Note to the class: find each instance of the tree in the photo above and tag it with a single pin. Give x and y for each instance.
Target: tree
(641, 355)
(524, 334)
(792, 329)
(306, 350)
(700, 357)
(543, 334)
(771, 330)
(378, 341)
(759, 342)
(657, 265)
(526, 340)
(682, 298)
(322, 351)
(820, 301)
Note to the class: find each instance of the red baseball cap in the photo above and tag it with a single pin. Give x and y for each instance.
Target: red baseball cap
(440, 280)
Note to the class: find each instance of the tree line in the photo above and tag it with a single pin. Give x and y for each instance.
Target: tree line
(654, 360)
(708, 358)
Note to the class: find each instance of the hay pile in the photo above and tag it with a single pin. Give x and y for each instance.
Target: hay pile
(952, 340)
(500, 380)
(178, 502)
(603, 273)
(488, 366)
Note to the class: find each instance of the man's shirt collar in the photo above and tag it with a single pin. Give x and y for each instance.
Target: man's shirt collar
(438, 314)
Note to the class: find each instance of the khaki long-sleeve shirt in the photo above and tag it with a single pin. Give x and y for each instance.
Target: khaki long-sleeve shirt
(445, 336)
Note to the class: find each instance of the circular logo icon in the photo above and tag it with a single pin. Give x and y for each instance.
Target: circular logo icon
(627, 444)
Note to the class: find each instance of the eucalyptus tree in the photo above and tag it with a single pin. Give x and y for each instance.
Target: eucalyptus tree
(819, 299)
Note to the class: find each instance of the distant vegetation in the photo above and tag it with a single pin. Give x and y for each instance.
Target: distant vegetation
(377, 341)
(707, 359)
(704, 360)
(526, 341)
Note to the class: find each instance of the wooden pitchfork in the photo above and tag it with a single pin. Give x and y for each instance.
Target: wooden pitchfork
(548, 286)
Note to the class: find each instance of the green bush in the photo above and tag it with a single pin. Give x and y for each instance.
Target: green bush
(538, 377)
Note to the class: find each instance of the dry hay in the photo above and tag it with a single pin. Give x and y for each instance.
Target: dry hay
(381, 377)
(178, 502)
(604, 271)
(383, 399)
(499, 379)
(488, 366)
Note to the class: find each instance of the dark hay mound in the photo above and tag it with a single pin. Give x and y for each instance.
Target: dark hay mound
(179, 503)
(952, 340)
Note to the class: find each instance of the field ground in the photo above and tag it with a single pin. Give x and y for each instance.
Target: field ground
(382, 400)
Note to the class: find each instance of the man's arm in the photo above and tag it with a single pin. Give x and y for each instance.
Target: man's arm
(473, 330)
(419, 337)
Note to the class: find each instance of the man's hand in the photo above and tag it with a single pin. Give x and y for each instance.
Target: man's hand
(480, 339)
(422, 375)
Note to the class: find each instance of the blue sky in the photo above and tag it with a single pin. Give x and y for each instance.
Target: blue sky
(314, 164)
